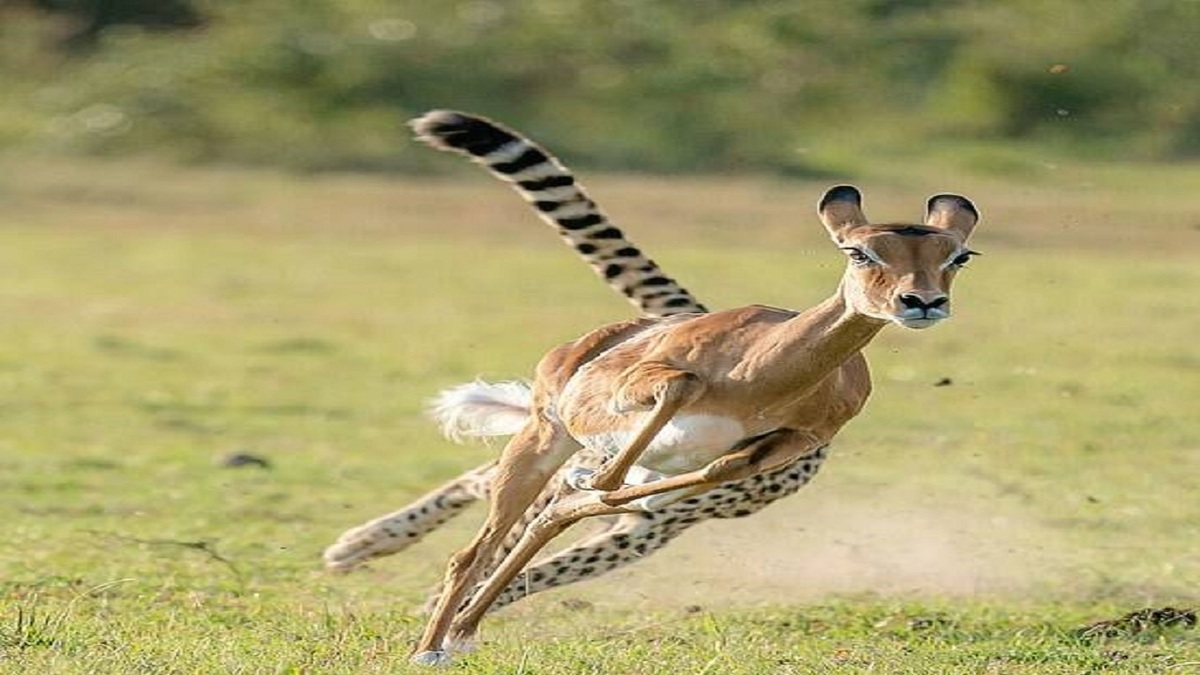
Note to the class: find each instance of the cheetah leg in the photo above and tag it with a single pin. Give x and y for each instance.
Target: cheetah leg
(768, 452)
(633, 536)
(400, 529)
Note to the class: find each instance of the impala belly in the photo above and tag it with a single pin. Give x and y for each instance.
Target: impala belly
(686, 443)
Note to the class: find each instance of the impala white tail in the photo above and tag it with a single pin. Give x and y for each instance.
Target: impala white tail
(482, 409)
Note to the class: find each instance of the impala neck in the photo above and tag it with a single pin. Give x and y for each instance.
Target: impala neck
(810, 346)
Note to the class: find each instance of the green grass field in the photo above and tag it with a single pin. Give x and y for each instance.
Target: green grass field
(157, 319)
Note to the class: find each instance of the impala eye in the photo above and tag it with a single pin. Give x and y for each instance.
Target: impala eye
(963, 258)
(858, 257)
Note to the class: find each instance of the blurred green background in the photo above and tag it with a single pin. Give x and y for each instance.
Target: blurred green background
(810, 88)
(194, 263)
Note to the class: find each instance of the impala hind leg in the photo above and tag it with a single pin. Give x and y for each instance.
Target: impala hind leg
(526, 465)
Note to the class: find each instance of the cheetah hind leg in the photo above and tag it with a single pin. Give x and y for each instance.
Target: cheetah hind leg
(633, 536)
(400, 529)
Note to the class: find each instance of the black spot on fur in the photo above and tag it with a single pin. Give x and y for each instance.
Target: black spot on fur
(585, 248)
(627, 252)
(655, 281)
(607, 233)
(678, 302)
(531, 157)
(474, 135)
(547, 183)
(581, 222)
(613, 270)
(545, 205)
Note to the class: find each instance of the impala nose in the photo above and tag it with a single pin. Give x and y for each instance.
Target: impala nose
(913, 301)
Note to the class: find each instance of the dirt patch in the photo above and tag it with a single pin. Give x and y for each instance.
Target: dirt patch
(818, 545)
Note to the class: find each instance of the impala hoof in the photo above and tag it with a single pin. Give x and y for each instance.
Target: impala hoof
(436, 657)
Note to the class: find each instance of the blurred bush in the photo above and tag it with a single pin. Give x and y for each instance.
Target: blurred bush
(669, 85)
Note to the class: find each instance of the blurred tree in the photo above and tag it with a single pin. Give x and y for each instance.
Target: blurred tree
(670, 85)
(91, 17)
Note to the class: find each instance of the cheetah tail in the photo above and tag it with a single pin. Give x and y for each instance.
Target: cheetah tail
(562, 203)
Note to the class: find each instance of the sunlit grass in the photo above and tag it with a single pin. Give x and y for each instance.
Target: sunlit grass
(157, 320)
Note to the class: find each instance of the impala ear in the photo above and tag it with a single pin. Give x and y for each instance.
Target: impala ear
(841, 210)
(951, 212)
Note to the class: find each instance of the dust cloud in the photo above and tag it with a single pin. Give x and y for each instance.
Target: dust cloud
(820, 544)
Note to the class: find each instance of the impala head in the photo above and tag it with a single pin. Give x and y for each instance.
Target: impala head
(900, 272)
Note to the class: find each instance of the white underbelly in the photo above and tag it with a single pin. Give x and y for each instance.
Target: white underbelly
(686, 443)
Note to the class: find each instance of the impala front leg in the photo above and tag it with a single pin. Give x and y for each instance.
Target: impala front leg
(754, 455)
(567, 509)
(526, 465)
(663, 390)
